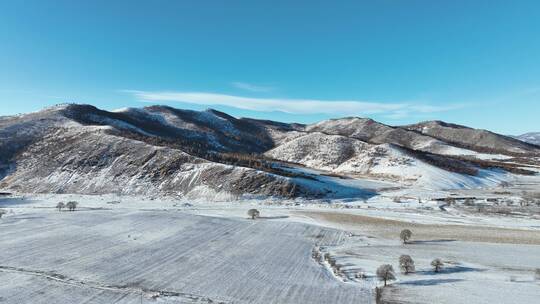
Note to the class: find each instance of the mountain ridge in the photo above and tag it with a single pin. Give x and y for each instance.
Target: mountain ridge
(161, 150)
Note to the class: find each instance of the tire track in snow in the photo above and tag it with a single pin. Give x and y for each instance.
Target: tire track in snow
(151, 294)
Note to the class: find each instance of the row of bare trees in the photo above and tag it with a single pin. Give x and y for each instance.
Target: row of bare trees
(406, 263)
(71, 206)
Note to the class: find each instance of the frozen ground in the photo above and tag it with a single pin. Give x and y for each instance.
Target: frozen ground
(473, 272)
(114, 256)
(124, 249)
(482, 264)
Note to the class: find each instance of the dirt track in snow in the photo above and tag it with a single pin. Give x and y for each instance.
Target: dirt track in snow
(387, 228)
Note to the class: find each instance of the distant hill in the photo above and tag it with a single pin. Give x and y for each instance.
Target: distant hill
(532, 137)
(474, 139)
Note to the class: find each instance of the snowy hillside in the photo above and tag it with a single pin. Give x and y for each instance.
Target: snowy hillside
(163, 151)
(480, 140)
(92, 161)
(532, 138)
(348, 156)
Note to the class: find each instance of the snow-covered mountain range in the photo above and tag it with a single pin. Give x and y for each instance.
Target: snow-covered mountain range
(161, 150)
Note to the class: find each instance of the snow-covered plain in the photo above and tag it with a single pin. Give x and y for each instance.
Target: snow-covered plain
(132, 249)
(114, 256)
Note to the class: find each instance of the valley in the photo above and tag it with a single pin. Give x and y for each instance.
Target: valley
(161, 199)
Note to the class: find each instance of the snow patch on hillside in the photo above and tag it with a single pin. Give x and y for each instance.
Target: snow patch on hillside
(344, 155)
(121, 125)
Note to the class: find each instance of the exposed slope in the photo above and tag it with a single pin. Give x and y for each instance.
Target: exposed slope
(475, 139)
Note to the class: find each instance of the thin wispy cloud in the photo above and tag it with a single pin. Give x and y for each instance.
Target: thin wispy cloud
(293, 106)
(251, 87)
(397, 115)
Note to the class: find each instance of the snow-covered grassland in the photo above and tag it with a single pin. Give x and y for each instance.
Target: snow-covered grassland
(123, 254)
(130, 249)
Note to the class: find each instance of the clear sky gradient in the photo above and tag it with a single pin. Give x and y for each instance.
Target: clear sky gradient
(469, 62)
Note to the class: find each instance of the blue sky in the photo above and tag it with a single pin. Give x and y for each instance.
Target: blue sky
(470, 62)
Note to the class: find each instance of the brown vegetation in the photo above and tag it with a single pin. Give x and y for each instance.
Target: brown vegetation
(390, 228)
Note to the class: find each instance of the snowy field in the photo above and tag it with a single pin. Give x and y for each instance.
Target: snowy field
(481, 264)
(114, 256)
(132, 250)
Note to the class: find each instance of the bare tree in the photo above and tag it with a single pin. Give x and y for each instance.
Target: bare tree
(2, 212)
(253, 213)
(406, 264)
(71, 205)
(60, 205)
(437, 265)
(386, 272)
(405, 235)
